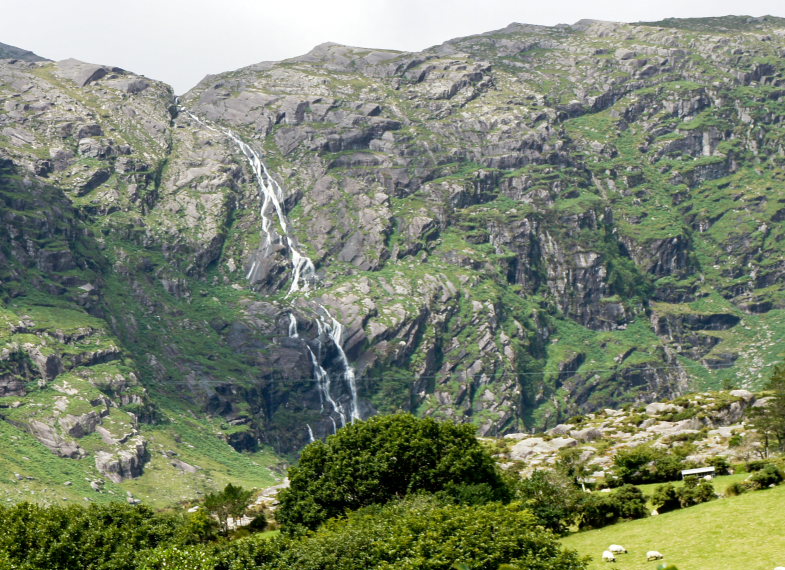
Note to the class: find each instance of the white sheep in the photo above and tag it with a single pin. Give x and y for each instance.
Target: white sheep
(617, 549)
(608, 556)
(653, 555)
(780, 568)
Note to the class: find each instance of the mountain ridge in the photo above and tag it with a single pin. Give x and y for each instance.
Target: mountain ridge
(508, 229)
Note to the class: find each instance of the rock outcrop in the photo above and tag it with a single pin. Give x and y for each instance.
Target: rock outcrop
(507, 229)
(714, 424)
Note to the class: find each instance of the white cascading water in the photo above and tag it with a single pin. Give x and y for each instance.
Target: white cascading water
(293, 326)
(303, 270)
(335, 330)
(303, 274)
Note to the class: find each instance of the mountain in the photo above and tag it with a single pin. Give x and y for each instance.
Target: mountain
(11, 52)
(507, 229)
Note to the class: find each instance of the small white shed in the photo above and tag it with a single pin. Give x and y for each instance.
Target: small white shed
(698, 472)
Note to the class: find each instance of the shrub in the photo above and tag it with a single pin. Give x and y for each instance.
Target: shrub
(756, 465)
(258, 523)
(418, 533)
(766, 477)
(601, 509)
(551, 498)
(695, 492)
(736, 440)
(645, 464)
(720, 464)
(665, 498)
(99, 536)
(192, 558)
(735, 489)
(668, 497)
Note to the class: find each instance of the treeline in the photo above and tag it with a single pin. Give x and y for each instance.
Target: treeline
(393, 492)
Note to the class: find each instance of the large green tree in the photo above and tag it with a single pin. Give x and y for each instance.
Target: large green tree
(384, 458)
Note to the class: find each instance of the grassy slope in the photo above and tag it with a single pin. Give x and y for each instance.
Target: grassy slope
(738, 533)
(194, 440)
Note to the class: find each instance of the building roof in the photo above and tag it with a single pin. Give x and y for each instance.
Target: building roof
(697, 471)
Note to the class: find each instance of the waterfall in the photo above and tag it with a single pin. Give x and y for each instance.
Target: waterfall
(311, 438)
(323, 382)
(322, 377)
(293, 326)
(303, 274)
(335, 331)
(303, 269)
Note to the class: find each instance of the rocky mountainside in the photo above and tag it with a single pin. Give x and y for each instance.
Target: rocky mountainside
(704, 425)
(506, 229)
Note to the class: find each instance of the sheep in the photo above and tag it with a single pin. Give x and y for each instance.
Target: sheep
(608, 556)
(780, 568)
(617, 549)
(653, 555)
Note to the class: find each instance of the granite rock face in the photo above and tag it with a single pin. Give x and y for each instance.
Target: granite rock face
(507, 229)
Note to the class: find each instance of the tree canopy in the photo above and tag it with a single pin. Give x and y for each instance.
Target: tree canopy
(383, 458)
(419, 533)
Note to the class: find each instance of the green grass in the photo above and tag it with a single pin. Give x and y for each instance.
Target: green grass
(738, 533)
(187, 438)
(720, 483)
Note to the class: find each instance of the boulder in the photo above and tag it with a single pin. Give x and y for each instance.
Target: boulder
(656, 408)
(47, 435)
(83, 73)
(80, 426)
(527, 448)
(124, 464)
(745, 395)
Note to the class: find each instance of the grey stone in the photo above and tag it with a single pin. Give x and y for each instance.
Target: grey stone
(83, 73)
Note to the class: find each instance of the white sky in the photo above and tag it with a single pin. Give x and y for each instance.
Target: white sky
(180, 41)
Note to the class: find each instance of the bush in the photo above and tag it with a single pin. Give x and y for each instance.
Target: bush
(756, 465)
(735, 489)
(258, 523)
(665, 498)
(601, 509)
(552, 498)
(645, 464)
(720, 464)
(193, 558)
(736, 440)
(419, 533)
(695, 492)
(99, 536)
(384, 458)
(766, 477)
(668, 497)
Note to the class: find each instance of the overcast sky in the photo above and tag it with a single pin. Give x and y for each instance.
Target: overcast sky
(180, 41)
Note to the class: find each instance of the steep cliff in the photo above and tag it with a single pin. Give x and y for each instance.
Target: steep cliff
(505, 229)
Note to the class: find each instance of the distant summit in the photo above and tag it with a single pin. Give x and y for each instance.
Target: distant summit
(722, 24)
(11, 52)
